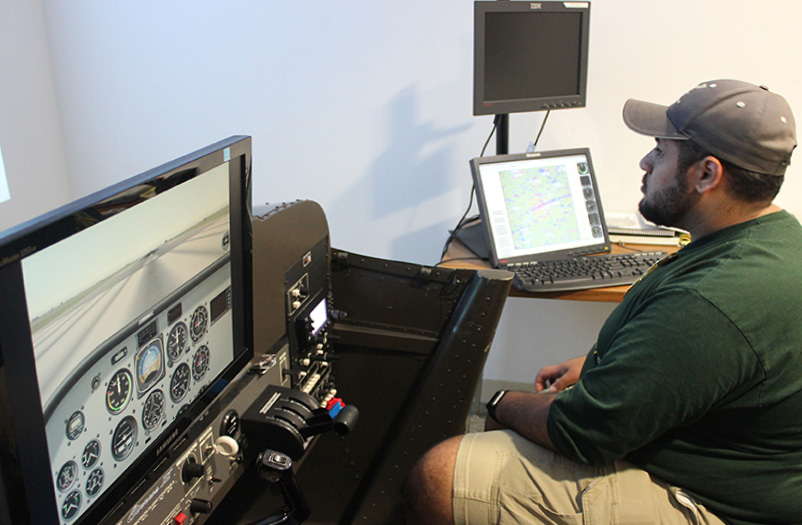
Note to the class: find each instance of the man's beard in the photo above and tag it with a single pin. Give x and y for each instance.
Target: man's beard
(668, 206)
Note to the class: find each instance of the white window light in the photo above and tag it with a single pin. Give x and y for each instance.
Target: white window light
(4, 193)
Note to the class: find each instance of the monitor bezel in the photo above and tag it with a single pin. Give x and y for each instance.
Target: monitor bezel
(603, 246)
(24, 462)
(481, 106)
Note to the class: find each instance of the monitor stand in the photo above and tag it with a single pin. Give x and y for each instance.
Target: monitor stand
(473, 236)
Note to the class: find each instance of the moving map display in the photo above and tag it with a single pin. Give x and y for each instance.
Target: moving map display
(540, 204)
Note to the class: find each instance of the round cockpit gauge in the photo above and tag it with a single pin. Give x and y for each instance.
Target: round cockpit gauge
(75, 425)
(179, 384)
(124, 438)
(119, 391)
(91, 454)
(200, 319)
(230, 424)
(153, 410)
(94, 482)
(66, 476)
(200, 363)
(177, 341)
(149, 365)
(71, 505)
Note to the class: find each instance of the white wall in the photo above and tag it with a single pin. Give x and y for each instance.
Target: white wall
(362, 106)
(365, 107)
(30, 136)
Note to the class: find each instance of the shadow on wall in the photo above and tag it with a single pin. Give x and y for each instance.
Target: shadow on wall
(410, 172)
(410, 242)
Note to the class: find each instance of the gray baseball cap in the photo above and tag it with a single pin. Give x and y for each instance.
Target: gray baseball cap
(739, 122)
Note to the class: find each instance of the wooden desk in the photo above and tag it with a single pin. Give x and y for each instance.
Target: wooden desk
(460, 256)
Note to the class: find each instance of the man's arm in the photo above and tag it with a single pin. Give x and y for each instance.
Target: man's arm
(527, 414)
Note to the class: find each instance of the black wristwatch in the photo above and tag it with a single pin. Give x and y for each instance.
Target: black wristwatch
(493, 403)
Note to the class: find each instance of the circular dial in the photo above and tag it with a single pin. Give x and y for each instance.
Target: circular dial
(200, 318)
(153, 410)
(149, 365)
(75, 425)
(71, 505)
(124, 438)
(66, 475)
(118, 393)
(200, 363)
(94, 482)
(177, 341)
(91, 454)
(179, 384)
(230, 424)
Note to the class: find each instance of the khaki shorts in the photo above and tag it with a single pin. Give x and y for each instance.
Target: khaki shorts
(500, 477)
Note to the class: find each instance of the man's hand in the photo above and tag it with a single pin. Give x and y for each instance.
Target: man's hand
(559, 377)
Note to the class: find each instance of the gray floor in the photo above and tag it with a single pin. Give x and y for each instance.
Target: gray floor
(475, 423)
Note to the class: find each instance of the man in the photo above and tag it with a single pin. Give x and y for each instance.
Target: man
(688, 409)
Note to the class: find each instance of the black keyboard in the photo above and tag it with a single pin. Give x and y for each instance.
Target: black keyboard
(580, 273)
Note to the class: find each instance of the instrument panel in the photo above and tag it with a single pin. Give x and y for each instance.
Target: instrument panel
(140, 384)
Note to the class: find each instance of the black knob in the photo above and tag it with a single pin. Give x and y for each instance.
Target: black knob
(191, 470)
(200, 506)
(345, 420)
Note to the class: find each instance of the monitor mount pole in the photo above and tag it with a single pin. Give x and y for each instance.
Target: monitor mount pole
(502, 122)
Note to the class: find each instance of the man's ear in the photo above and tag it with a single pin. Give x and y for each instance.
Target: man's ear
(707, 174)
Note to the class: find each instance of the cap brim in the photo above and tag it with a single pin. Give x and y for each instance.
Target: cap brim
(650, 119)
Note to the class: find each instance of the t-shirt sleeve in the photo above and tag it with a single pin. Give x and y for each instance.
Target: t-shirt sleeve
(674, 360)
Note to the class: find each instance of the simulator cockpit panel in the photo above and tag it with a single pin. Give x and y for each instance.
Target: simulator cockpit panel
(170, 355)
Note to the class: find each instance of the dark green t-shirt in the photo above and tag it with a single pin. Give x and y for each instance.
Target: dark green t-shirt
(696, 376)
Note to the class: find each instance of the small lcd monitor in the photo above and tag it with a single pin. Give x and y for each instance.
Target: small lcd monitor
(529, 56)
(540, 206)
(124, 315)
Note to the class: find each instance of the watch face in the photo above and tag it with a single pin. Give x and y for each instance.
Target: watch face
(491, 405)
(496, 397)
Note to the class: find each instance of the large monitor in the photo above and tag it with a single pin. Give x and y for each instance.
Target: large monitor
(529, 56)
(124, 315)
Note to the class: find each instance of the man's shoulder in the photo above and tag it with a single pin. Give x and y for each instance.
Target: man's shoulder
(760, 262)
(770, 245)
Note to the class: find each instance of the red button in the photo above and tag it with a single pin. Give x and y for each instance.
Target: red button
(180, 518)
(334, 401)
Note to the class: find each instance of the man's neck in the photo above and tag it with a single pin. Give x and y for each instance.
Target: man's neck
(703, 224)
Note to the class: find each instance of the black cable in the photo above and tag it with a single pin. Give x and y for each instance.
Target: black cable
(542, 125)
(495, 125)
(461, 222)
